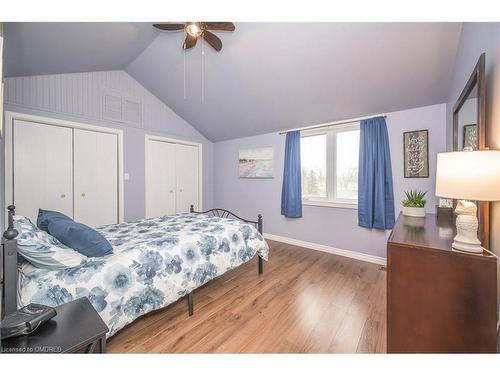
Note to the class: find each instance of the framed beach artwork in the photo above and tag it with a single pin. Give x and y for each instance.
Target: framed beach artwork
(256, 163)
(416, 154)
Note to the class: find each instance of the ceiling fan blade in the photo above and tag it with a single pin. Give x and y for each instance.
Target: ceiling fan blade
(213, 40)
(170, 26)
(223, 26)
(189, 42)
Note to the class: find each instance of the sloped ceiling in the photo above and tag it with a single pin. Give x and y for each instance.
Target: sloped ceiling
(268, 76)
(35, 48)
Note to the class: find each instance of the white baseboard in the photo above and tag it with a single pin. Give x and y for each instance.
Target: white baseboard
(328, 249)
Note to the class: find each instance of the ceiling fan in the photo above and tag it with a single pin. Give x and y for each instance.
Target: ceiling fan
(195, 30)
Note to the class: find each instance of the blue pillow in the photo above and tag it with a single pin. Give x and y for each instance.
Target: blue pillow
(44, 216)
(78, 236)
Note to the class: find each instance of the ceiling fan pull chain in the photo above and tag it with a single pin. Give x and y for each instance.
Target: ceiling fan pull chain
(202, 70)
(184, 57)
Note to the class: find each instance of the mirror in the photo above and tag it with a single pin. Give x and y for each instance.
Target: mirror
(467, 120)
(469, 133)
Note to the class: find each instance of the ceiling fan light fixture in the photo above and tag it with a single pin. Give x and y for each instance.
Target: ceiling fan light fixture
(194, 29)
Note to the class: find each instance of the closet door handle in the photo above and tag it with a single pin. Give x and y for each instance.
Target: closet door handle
(180, 190)
(171, 191)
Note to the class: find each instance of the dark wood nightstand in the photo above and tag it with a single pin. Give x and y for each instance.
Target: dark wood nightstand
(77, 328)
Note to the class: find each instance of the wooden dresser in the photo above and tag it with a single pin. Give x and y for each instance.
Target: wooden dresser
(438, 300)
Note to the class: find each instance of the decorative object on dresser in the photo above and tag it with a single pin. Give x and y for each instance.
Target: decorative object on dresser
(414, 204)
(77, 328)
(473, 175)
(444, 208)
(438, 300)
(416, 154)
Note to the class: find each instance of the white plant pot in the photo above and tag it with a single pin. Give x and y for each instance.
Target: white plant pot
(414, 211)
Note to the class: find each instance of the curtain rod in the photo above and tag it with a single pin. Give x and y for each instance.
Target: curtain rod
(327, 124)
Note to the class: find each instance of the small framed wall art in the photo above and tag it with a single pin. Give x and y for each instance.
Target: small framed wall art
(416, 154)
(469, 140)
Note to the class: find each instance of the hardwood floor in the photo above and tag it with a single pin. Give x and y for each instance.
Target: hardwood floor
(305, 302)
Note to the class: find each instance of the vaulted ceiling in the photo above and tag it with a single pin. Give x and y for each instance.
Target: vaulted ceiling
(268, 76)
(34, 48)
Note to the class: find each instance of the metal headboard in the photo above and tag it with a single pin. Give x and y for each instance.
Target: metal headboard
(8, 266)
(225, 214)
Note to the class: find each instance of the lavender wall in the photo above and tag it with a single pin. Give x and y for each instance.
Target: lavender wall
(336, 227)
(78, 97)
(477, 38)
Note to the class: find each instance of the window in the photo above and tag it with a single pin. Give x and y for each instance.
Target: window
(329, 158)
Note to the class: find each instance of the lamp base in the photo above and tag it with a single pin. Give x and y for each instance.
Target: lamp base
(469, 248)
(467, 224)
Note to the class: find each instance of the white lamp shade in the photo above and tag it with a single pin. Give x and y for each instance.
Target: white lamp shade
(473, 175)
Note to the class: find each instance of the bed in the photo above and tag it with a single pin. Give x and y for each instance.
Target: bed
(155, 262)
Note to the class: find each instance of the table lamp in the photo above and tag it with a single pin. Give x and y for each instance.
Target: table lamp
(468, 176)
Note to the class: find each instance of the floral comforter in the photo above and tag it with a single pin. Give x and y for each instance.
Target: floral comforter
(154, 263)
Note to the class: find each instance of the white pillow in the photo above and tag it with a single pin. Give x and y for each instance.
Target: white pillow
(43, 250)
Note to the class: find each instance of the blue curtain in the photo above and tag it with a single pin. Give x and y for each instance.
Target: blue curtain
(375, 192)
(291, 192)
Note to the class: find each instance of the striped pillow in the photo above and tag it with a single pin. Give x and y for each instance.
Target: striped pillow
(43, 250)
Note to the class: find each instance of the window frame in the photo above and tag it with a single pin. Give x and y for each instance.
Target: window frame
(331, 199)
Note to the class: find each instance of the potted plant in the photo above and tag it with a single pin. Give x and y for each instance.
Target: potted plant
(414, 204)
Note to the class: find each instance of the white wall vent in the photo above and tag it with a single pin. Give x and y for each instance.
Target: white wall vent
(122, 109)
(112, 107)
(132, 112)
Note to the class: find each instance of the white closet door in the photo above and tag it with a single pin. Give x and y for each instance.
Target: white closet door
(187, 167)
(160, 178)
(43, 171)
(96, 177)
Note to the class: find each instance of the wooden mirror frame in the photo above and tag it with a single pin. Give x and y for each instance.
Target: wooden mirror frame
(477, 78)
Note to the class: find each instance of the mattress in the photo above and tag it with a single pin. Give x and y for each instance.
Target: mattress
(154, 263)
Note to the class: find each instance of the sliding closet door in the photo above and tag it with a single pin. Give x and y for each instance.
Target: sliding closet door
(187, 167)
(96, 177)
(160, 178)
(42, 166)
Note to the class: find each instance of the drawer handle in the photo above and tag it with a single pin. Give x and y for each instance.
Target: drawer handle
(83, 195)
(63, 195)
